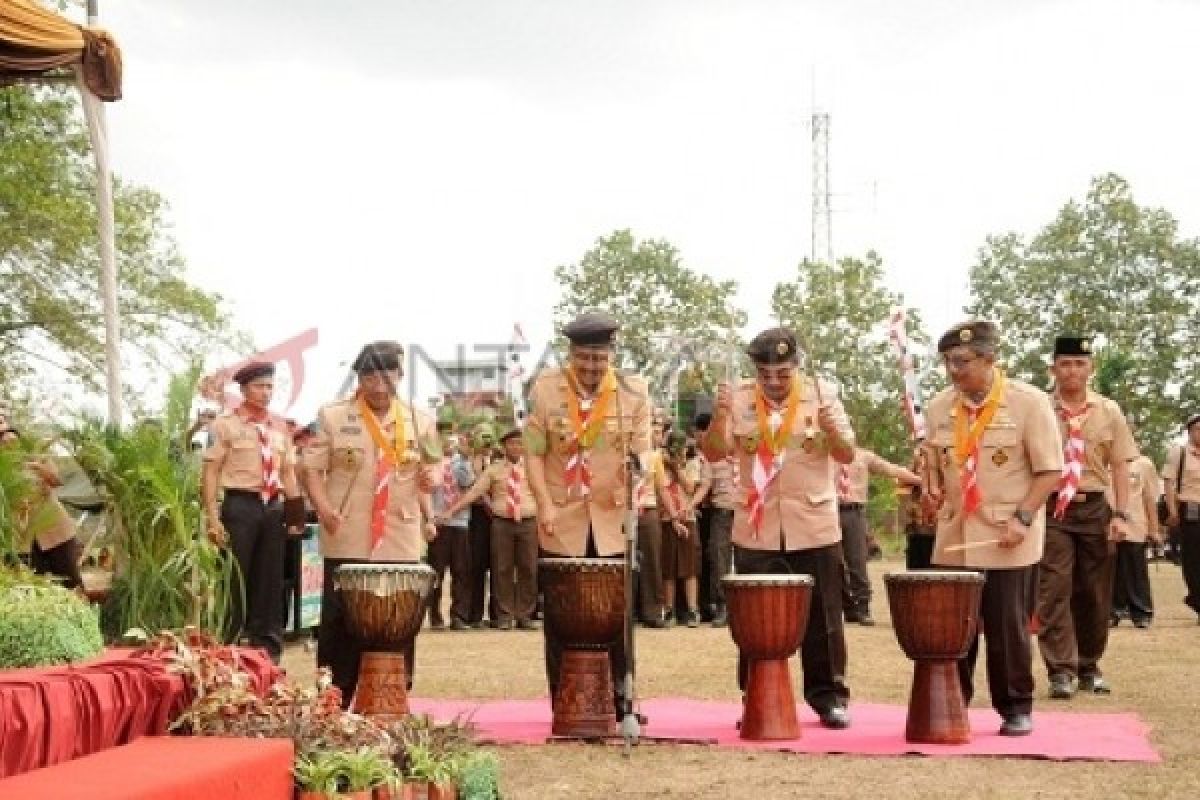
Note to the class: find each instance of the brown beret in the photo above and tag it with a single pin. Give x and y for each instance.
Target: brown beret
(1072, 346)
(773, 346)
(253, 371)
(510, 433)
(378, 356)
(975, 333)
(592, 328)
(1191, 420)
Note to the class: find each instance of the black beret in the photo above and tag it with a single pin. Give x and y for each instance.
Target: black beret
(378, 356)
(1191, 420)
(703, 421)
(773, 346)
(592, 328)
(976, 333)
(253, 371)
(1072, 346)
(510, 433)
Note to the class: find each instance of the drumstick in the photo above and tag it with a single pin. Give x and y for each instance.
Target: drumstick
(954, 548)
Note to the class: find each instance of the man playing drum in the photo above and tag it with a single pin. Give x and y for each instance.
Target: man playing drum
(368, 473)
(583, 420)
(788, 431)
(994, 456)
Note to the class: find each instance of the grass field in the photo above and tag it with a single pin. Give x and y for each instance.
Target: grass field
(1154, 672)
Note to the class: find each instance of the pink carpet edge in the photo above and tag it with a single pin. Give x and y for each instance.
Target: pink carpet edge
(877, 730)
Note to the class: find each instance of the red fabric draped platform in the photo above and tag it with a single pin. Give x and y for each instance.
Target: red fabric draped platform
(167, 768)
(56, 714)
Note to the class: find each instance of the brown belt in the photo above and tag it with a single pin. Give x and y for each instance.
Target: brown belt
(1080, 497)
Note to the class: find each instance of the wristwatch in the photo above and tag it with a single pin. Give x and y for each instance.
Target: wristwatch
(1121, 515)
(1024, 517)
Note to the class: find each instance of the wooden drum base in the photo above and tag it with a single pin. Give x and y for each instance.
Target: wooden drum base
(769, 709)
(936, 711)
(382, 685)
(583, 704)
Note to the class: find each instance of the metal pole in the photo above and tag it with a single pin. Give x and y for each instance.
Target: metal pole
(98, 130)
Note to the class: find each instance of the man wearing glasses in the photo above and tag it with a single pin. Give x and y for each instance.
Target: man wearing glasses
(993, 457)
(787, 432)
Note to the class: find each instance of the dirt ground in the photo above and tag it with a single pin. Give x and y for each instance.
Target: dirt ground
(1154, 672)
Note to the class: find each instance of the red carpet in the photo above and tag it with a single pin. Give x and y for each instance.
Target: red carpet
(877, 730)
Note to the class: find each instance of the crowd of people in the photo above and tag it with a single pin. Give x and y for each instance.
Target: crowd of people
(1045, 493)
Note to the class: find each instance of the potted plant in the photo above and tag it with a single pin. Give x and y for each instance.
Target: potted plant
(318, 775)
(352, 775)
(479, 776)
(430, 775)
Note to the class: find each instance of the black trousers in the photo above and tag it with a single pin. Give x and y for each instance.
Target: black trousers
(480, 583)
(823, 651)
(451, 550)
(554, 644)
(256, 542)
(1009, 596)
(336, 648)
(918, 550)
(61, 561)
(718, 555)
(1131, 584)
(856, 591)
(1189, 558)
(650, 574)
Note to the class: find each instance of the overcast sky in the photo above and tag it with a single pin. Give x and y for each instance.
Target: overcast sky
(425, 165)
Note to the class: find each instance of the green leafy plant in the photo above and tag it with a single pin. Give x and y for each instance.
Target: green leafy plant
(318, 772)
(44, 624)
(479, 776)
(367, 769)
(423, 764)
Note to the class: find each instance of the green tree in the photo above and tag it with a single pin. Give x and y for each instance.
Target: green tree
(840, 313)
(1111, 268)
(50, 310)
(670, 315)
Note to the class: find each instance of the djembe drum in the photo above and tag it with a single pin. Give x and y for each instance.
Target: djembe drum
(585, 607)
(768, 615)
(936, 615)
(384, 604)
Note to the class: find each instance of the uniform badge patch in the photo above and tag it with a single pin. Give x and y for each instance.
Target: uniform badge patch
(1000, 458)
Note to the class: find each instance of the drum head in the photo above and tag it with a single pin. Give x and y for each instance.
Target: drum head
(582, 564)
(934, 576)
(767, 580)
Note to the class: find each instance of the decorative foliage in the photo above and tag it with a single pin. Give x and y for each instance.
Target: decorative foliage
(42, 624)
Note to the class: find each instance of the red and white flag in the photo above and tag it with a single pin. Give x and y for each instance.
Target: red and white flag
(514, 376)
(913, 409)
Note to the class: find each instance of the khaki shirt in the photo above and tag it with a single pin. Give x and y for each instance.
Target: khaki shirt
(723, 493)
(495, 481)
(549, 437)
(1107, 440)
(1144, 489)
(646, 492)
(343, 453)
(1189, 490)
(864, 465)
(1022, 441)
(800, 507)
(236, 449)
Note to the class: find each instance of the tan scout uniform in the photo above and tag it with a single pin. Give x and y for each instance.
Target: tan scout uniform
(1187, 489)
(1131, 583)
(1076, 576)
(853, 479)
(1021, 442)
(800, 509)
(718, 556)
(550, 436)
(236, 448)
(513, 543)
(344, 453)
(799, 532)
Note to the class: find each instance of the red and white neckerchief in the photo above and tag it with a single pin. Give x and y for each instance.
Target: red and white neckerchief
(969, 425)
(513, 486)
(578, 471)
(450, 492)
(764, 467)
(270, 463)
(843, 483)
(1073, 447)
(969, 475)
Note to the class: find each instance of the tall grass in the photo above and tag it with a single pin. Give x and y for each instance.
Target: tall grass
(168, 574)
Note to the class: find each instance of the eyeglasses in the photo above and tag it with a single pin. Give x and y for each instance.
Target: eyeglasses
(956, 363)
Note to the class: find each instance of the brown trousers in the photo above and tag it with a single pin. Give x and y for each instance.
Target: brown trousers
(650, 571)
(1075, 588)
(514, 568)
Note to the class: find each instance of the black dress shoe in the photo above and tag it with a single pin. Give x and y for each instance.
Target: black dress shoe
(1141, 623)
(866, 620)
(1094, 684)
(1016, 725)
(459, 625)
(1061, 687)
(720, 619)
(655, 623)
(837, 718)
(527, 625)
